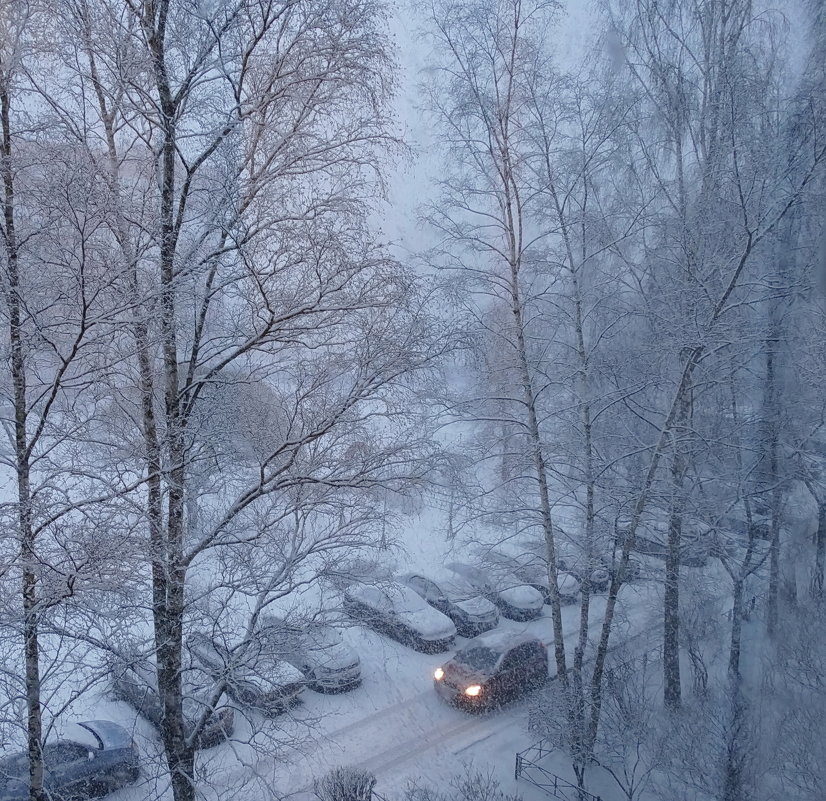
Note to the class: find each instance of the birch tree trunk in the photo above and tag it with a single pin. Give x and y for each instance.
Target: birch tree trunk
(672, 693)
(820, 552)
(22, 450)
(56, 304)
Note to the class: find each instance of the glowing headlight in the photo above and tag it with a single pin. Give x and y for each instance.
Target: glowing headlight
(438, 674)
(473, 690)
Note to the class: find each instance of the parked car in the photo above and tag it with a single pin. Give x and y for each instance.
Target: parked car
(91, 759)
(493, 668)
(570, 559)
(698, 540)
(633, 568)
(256, 674)
(570, 587)
(515, 599)
(533, 570)
(395, 610)
(455, 597)
(327, 663)
(135, 681)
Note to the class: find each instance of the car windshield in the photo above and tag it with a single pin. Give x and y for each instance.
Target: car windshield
(470, 574)
(466, 571)
(460, 590)
(478, 657)
(405, 600)
(321, 637)
(508, 580)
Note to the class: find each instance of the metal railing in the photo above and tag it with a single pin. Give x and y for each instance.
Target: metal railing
(528, 769)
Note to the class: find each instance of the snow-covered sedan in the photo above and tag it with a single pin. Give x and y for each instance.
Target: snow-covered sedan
(569, 586)
(393, 609)
(317, 650)
(90, 760)
(491, 669)
(455, 597)
(515, 599)
(256, 674)
(135, 681)
(575, 562)
(533, 571)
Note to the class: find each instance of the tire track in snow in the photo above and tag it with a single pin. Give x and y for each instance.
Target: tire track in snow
(431, 736)
(416, 746)
(379, 714)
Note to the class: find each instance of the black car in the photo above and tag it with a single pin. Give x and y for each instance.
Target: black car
(395, 610)
(256, 675)
(135, 681)
(91, 759)
(455, 597)
(493, 668)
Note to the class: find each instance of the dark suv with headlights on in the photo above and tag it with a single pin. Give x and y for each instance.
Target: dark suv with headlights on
(493, 668)
(455, 597)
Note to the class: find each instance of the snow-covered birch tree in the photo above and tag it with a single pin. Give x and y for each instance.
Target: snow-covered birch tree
(268, 341)
(479, 96)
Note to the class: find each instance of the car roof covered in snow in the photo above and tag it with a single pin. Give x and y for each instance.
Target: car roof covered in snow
(500, 640)
(444, 578)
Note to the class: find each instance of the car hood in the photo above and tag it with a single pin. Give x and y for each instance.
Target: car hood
(333, 657)
(429, 623)
(459, 674)
(522, 596)
(477, 607)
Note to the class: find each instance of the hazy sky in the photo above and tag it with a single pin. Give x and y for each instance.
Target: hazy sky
(411, 184)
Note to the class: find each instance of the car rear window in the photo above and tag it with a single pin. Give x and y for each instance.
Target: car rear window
(56, 754)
